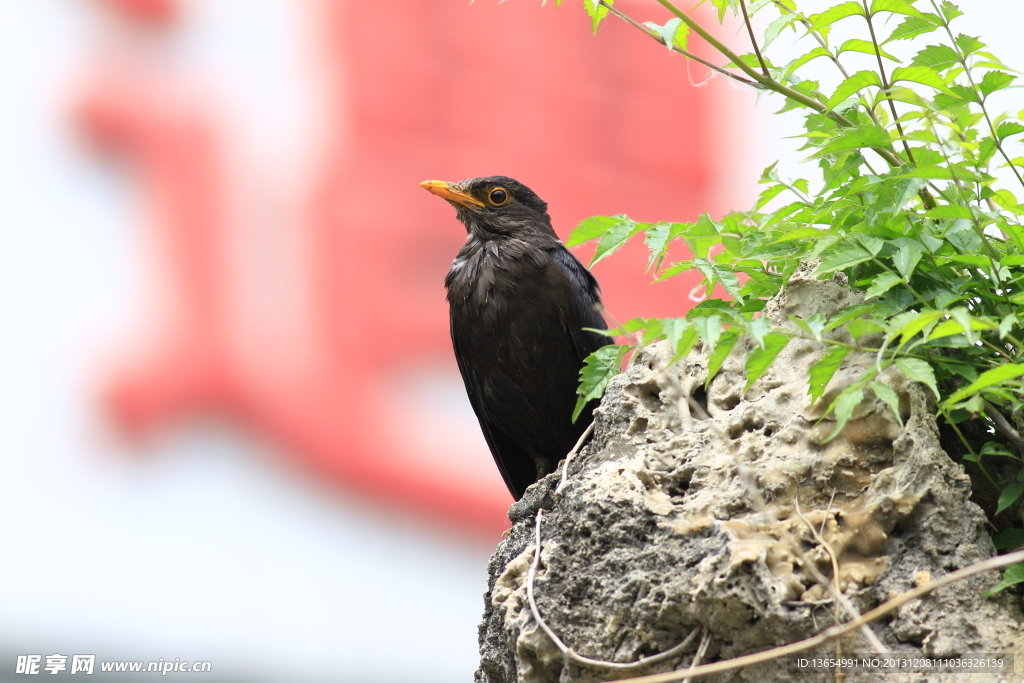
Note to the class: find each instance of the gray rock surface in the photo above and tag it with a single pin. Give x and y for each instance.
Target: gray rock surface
(668, 523)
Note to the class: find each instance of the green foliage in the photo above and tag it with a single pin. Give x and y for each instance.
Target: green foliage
(1013, 575)
(916, 205)
(600, 367)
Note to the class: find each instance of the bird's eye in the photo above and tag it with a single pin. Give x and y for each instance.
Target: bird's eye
(498, 196)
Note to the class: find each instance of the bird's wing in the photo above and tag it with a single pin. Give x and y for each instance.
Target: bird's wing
(514, 462)
(582, 311)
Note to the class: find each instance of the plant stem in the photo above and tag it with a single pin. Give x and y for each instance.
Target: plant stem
(885, 81)
(753, 40)
(970, 79)
(689, 55)
(770, 83)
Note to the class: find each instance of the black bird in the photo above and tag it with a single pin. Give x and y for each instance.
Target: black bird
(519, 302)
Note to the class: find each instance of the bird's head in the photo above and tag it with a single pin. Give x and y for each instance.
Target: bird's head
(494, 206)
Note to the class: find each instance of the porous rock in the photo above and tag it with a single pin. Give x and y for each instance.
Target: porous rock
(673, 519)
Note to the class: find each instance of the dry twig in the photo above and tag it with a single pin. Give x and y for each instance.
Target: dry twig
(575, 450)
(836, 631)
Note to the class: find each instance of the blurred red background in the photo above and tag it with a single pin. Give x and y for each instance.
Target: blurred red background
(323, 326)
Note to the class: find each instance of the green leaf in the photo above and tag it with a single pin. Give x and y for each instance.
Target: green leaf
(907, 257)
(842, 257)
(658, 237)
(1009, 495)
(722, 5)
(715, 273)
(986, 150)
(865, 135)
(596, 11)
(947, 211)
(768, 195)
(919, 371)
(1006, 200)
(1008, 539)
(708, 307)
(961, 236)
(957, 96)
(955, 326)
(910, 188)
(821, 372)
(843, 409)
(598, 368)
(758, 328)
(680, 334)
(986, 379)
(889, 396)
(950, 11)
(1006, 325)
(776, 27)
(614, 237)
(865, 46)
(592, 228)
(804, 58)
(800, 234)
(673, 33)
(996, 449)
(760, 359)
(907, 325)
(710, 330)
(814, 326)
(963, 317)
(895, 6)
(913, 27)
(834, 14)
(702, 235)
(881, 284)
(859, 327)
(968, 44)
(653, 330)
(937, 57)
(930, 171)
(721, 352)
(853, 84)
(1008, 128)
(919, 74)
(1013, 575)
(993, 81)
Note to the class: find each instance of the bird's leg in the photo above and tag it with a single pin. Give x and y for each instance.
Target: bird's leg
(542, 466)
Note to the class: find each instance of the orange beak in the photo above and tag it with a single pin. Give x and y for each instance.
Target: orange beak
(452, 192)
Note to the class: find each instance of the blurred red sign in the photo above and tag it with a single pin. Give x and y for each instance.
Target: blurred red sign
(326, 329)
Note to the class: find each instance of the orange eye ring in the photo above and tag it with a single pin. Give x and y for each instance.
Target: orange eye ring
(499, 196)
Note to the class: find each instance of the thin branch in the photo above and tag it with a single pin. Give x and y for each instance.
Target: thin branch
(701, 650)
(575, 449)
(816, 34)
(970, 79)
(841, 600)
(836, 631)
(835, 60)
(885, 82)
(1004, 427)
(886, 153)
(675, 48)
(753, 40)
